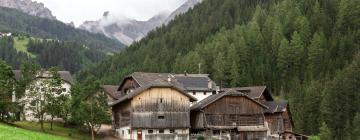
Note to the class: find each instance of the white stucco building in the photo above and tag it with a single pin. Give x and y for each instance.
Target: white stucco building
(27, 114)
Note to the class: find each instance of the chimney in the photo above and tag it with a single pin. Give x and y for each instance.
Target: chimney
(169, 79)
(210, 85)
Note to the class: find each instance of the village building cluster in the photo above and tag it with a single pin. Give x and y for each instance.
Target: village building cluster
(152, 106)
(165, 106)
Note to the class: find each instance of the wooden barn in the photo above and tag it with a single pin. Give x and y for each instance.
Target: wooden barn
(156, 111)
(277, 115)
(229, 115)
(111, 93)
(198, 85)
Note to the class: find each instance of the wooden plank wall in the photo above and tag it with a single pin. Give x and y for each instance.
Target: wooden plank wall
(160, 108)
(234, 110)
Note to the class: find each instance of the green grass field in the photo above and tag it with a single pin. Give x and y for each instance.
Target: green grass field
(21, 45)
(8, 132)
(58, 130)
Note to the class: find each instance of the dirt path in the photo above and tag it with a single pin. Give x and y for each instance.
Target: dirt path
(105, 130)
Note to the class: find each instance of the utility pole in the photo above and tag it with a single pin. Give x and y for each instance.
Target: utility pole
(199, 68)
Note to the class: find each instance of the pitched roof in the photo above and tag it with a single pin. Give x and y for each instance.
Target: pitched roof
(149, 86)
(111, 90)
(199, 82)
(207, 101)
(276, 106)
(64, 75)
(253, 92)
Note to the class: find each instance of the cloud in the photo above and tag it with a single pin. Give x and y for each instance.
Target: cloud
(79, 11)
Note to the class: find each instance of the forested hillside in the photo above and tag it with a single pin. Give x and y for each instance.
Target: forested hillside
(304, 50)
(70, 56)
(20, 23)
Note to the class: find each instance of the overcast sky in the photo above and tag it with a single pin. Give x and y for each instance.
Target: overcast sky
(79, 11)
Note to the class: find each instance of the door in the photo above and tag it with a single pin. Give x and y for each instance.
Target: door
(139, 134)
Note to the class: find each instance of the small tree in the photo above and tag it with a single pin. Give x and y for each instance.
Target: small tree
(89, 106)
(54, 104)
(7, 84)
(355, 135)
(42, 93)
(325, 133)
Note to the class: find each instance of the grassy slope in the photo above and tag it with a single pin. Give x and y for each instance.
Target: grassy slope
(21, 45)
(58, 130)
(12, 133)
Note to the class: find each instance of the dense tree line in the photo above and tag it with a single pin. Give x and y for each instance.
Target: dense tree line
(305, 50)
(70, 56)
(9, 54)
(14, 21)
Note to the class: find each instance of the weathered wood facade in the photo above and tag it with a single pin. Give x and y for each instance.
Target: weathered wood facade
(153, 108)
(160, 108)
(231, 114)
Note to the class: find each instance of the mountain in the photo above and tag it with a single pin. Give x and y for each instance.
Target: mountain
(128, 30)
(123, 29)
(306, 51)
(29, 7)
(182, 9)
(12, 20)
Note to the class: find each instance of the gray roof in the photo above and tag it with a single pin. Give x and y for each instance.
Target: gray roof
(111, 90)
(189, 82)
(65, 75)
(149, 86)
(276, 106)
(205, 102)
(253, 92)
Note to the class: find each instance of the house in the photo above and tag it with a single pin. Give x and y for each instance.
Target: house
(160, 110)
(198, 85)
(229, 115)
(5, 34)
(111, 93)
(259, 93)
(277, 115)
(279, 119)
(66, 86)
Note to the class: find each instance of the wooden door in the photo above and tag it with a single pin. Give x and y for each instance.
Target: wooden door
(139, 134)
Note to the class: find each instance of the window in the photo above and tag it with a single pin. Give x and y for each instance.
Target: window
(122, 132)
(150, 131)
(129, 131)
(161, 131)
(161, 100)
(63, 89)
(214, 92)
(194, 93)
(172, 130)
(204, 93)
(216, 132)
(161, 117)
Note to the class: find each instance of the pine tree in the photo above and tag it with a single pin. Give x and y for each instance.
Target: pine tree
(219, 69)
(325, 133)
(297, 51)
(284, 59)
(316, 54)
(355, 135)
(235, 76)
(7, 84)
